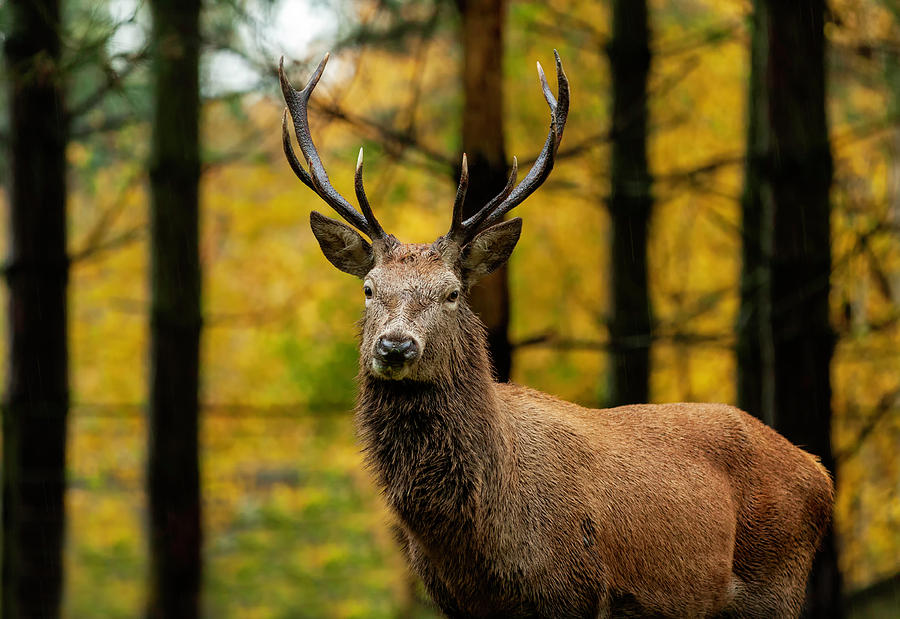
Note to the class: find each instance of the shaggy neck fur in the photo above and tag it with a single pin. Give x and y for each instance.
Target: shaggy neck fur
(435, 446)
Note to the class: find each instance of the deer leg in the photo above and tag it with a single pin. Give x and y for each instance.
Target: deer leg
(780, 598)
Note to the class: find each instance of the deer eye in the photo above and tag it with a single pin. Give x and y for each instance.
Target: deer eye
(367, 290)
(453, 296)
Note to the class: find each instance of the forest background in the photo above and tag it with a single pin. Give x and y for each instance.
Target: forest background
(292, 523)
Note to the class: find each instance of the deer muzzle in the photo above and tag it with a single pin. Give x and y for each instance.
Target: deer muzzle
(393, 354)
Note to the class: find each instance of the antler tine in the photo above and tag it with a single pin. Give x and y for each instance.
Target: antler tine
(462, 231)
(289, 153)
(511, 197)
(460, 194)
(375, 227)
(317, 177)
(478, 218)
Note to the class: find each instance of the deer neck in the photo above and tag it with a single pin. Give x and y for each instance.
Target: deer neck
(436, 448)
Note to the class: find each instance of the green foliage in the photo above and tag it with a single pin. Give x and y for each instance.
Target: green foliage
(322, 369)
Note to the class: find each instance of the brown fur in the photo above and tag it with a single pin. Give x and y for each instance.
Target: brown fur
(512, 503)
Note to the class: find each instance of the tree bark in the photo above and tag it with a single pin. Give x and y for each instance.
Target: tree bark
(483, 143)
(630, 205)
(795, 232)
(173, 465)
(37, 393)
(749, 328)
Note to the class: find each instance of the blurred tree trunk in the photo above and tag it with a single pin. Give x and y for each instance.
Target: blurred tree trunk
(749, 354)
(483, 143)
(795, 178)
(630, 204)
(37, 394)
(173, 468)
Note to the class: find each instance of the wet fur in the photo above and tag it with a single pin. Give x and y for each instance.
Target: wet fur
(512, 503)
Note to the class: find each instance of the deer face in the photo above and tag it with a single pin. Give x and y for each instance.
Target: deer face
(412, 302)
(416, 311)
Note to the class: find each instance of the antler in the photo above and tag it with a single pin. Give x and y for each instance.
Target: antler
(317, 179)
(461, 231)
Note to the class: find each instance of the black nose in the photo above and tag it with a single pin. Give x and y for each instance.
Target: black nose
(396, 351)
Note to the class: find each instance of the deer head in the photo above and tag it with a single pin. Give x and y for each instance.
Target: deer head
(417, 316)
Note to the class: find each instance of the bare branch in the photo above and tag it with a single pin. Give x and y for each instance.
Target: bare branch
(113, 82)
(388, 136)
(553, 340)
(886, 405)
(90, 252)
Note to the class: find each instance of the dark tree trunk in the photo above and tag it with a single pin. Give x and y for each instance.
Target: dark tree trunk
(37, 394)
(796, 170)
(630, 205)
(483, 143)
(173, 468)
(749, 329)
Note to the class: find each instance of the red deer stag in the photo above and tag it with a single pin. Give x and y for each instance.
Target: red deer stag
(512, 503)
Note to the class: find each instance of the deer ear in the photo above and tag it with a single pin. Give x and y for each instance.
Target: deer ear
(344, 247)
(489, 249)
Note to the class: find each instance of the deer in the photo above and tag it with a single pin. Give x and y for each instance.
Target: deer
(510, 502)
